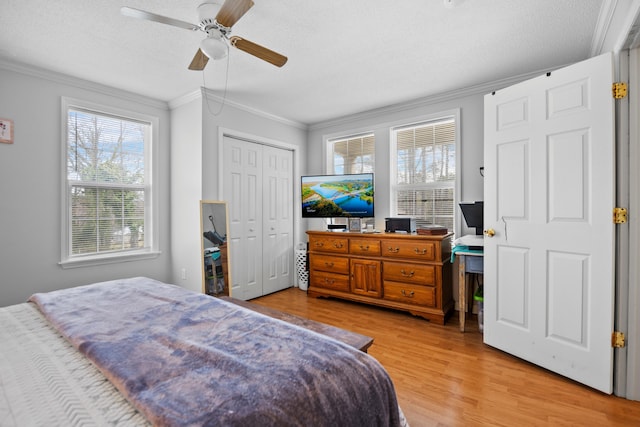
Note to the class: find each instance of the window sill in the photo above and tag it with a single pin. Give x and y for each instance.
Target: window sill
(94, 260)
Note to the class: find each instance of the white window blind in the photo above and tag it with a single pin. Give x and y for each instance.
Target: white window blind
(426, 172)
(353, 154)
(107, 183)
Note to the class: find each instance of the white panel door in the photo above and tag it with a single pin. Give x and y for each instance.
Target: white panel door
(277, 214)
(549, 196)
(242, 187)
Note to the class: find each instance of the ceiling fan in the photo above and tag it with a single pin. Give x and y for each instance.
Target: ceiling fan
(216, 21)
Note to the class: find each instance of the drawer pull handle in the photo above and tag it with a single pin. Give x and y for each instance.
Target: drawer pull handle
(393, 250)
(405, 274)
(404, 293)
(329, 281)
(338, 245)
(422, 251)
(319, 244)
(328, 264)
(364, 248)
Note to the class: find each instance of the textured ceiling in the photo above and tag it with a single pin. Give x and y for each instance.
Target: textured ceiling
(345, 56)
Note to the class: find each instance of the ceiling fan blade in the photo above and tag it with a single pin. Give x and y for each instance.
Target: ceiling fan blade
(258, 51)
(143, 14)
(231, 11)
(199, 61)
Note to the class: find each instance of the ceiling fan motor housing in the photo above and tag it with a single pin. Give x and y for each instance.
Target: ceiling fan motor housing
(214, 46)
(207, 13)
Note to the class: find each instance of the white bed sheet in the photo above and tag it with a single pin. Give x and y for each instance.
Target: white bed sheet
(45, 381)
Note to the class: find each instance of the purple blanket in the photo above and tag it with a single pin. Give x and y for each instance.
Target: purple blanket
(187, 359)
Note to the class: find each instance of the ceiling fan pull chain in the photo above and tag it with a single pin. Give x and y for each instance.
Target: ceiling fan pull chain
(224, 93)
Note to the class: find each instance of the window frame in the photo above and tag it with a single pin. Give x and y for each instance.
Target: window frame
(393, 160)
(329, 150)
(151, 249)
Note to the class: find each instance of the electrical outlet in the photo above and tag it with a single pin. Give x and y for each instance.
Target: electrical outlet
(183, 273)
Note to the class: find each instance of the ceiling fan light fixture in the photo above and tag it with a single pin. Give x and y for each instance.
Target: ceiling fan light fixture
(214, 47)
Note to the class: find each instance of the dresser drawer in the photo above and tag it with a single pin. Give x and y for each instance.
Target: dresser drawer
(409, 273)
(422, 250)
(410, 294)
(323, 279)
(332, 264)
(337, 245)
(364, 247)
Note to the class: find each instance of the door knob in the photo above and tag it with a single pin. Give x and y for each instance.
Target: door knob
(490, 232)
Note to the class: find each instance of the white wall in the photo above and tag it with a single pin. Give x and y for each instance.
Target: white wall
(186, 192)
(195, 168)
(30, 176)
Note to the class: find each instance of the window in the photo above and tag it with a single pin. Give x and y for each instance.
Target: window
(107, 184)
(425, 171)
(352, 155)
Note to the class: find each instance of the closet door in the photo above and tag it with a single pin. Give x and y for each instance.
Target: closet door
(277, 202)
(258, 186)
(242, 187)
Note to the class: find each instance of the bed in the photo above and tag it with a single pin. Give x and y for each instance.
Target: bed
(142, 352)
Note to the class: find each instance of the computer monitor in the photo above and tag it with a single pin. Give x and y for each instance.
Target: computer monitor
(474, 215)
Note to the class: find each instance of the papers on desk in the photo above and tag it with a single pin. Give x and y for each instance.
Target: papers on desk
(470, 240)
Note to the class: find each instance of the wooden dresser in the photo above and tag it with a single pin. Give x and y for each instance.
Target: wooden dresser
(399, 271)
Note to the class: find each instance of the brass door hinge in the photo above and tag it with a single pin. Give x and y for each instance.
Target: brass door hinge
(619, 215)
(617, 339)
(619, 90)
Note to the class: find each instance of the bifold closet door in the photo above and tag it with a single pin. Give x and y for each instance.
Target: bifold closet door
(258, 186)
(277, 202)
(242, 187)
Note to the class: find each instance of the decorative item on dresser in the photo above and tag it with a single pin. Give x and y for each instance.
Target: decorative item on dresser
(401, 271)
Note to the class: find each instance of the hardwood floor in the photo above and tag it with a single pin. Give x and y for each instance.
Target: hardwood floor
(447, 378)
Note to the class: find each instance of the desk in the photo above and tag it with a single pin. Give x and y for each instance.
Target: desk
(465, 265)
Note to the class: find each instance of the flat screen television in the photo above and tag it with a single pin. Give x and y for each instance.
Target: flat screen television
(333, 196)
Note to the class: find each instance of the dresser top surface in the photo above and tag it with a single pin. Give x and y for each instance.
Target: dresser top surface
(369, 235)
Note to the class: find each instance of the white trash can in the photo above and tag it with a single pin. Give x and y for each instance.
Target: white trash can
(301, 266)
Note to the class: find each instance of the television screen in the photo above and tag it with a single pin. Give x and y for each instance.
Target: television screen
(331, 196)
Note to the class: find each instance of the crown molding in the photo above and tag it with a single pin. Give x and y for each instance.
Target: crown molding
(617, 27)
(204, 94)
(65, 79)
(185, 99)
(605, 17)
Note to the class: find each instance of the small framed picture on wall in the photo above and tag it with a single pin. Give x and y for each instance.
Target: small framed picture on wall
(355, 224)
(6, 131)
